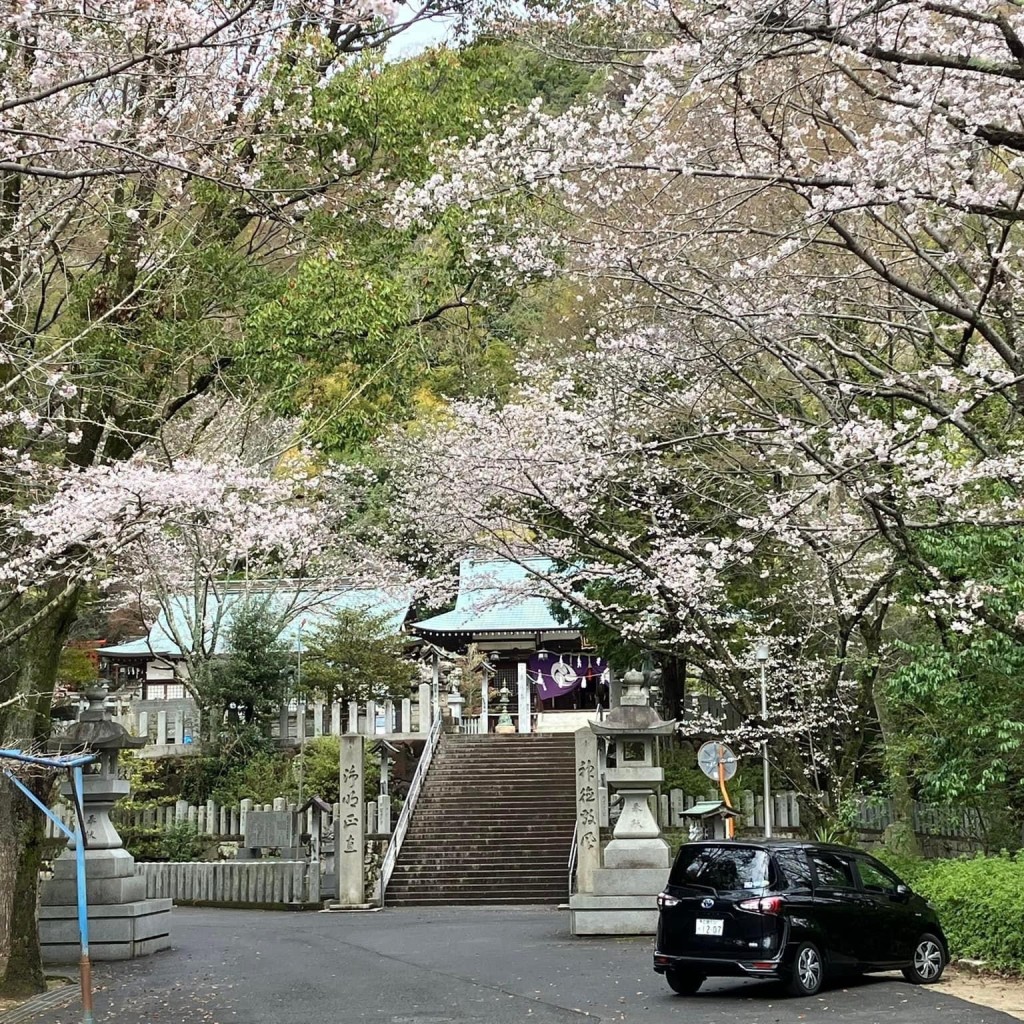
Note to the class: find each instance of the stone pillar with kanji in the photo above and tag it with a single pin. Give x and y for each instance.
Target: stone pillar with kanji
(621, 898)
(349, 837)
(588, 836)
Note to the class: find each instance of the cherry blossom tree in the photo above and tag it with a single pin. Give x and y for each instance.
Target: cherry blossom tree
(157, 162)
(794, 237)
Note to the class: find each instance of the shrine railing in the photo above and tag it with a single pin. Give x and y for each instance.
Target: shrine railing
(402, 826)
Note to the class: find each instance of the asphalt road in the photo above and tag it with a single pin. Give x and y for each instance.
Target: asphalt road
(453, 965)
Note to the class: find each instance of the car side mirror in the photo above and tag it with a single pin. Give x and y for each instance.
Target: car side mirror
(901, 893)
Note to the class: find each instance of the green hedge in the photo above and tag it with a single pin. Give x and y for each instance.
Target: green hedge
(980, 901)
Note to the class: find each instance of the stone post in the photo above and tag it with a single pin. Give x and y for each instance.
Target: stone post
(588, 842)
(349, 835)
(614, 689)
(426, 709)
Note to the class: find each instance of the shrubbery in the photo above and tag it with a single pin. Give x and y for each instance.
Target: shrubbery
(980, 901)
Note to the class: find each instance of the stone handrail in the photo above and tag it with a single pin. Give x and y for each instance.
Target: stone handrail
(402, 826)
(573, 856)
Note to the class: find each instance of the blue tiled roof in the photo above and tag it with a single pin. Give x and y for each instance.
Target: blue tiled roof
(303, 611)
(494, 597)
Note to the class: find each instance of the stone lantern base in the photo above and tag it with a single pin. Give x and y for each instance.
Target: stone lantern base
(123, 924)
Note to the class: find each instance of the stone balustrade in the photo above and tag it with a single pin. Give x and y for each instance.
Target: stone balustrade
(252, 883)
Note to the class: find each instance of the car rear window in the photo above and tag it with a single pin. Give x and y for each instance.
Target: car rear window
(722, 868)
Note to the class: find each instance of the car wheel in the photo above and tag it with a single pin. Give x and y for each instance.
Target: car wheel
(929, 961)
(808, 971)
(684, 983)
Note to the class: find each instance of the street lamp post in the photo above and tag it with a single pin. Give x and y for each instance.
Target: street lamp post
(300, 713)
(762, 654)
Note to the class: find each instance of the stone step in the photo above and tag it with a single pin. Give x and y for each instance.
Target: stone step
(493, 824)
(502, 767)
(538, 755)
(494, 797)
(542, 808)
(515, 739)
(485, 894)
(453, 841)
(541, 813)
(531, 900)
(537, 783)
(495, 834)
(481, 887)
(493, 791)
(482, 753)
(486, 823)
(440, 847)
(469, 823)
(553, 775)
(437, 873)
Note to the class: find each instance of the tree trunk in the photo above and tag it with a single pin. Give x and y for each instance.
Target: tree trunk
(31, 670)
(673, 686)
(899, 836)
(23, 973)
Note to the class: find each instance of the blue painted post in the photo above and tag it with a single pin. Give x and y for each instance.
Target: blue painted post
(74, 767)
(83, 907)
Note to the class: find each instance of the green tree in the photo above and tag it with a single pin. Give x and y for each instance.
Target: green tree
(356, 656)
(251, 681)
(956, 694)
(238, 693)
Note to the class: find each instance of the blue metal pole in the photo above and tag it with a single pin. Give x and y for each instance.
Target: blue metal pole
(83, 906)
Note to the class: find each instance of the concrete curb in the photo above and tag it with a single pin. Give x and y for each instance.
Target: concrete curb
(967, 966)
(44, 1001)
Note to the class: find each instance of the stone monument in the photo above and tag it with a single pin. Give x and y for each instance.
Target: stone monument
(349, 832)
(618, 888)
(123, 924)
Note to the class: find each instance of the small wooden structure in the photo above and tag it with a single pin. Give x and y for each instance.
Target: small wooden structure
(708, 819)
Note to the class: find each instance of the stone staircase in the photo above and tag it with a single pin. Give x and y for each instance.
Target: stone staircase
(493, 824)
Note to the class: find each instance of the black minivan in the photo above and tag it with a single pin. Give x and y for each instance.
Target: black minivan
(790, 910)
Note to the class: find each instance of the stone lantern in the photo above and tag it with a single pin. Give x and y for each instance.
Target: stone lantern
(622, 887)
(123, 923)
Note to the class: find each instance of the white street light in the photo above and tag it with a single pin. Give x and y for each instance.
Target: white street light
(762, 654)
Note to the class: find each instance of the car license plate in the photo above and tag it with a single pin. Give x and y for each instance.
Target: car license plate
(709, 925)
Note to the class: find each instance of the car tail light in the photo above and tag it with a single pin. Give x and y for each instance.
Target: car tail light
(766, 905)
(664, 900)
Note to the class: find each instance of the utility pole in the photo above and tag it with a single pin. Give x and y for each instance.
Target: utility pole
(762, 654)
